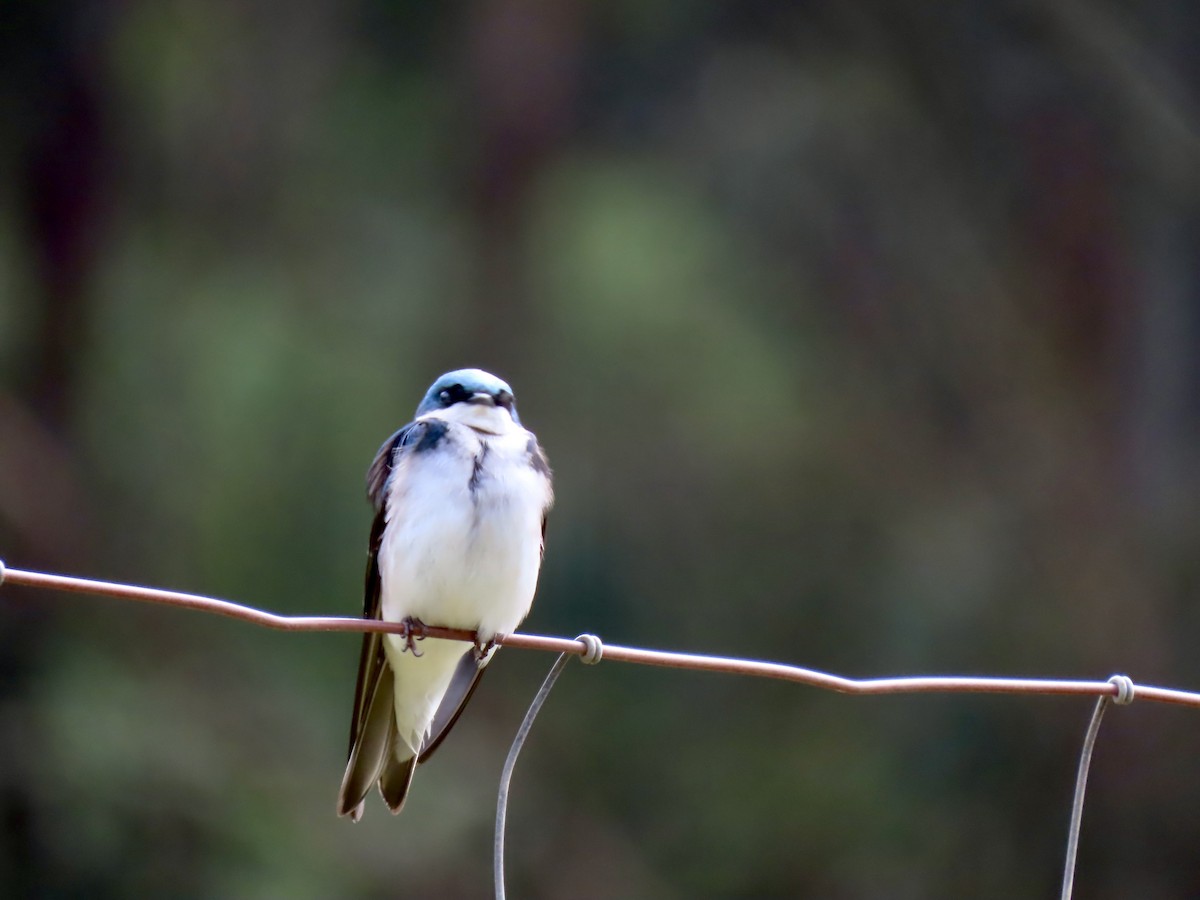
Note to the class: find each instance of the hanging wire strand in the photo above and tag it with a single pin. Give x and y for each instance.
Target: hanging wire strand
(592, 654)
(924, 684)
(510, 763)
(1125, 694)
(1085, 762)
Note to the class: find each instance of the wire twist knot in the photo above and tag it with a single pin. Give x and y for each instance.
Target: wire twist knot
(593, 649)
(1125, 689)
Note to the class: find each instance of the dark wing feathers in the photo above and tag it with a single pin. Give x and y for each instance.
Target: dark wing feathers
(372, 720)
(381, 470)
(372, 644)
(372, 746)
(372, 658)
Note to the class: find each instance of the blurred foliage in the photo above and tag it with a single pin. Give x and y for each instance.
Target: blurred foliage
(860, 334)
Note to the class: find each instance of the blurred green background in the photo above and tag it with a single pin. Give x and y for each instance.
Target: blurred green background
(861, 335)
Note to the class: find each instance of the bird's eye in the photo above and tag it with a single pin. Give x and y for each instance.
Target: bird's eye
(505, 399)
(456, 393)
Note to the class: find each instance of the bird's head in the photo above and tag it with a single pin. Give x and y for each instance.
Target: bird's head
(473, 397)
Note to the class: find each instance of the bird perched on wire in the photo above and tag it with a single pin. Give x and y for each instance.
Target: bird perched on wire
(460, 495)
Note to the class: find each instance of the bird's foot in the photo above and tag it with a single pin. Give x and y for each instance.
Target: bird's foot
(482, 649)
(414, 630)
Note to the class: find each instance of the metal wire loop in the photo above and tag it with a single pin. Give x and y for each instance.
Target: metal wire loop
(593, 649)
(1125, 689)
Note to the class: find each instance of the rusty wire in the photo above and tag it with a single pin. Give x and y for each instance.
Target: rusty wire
(921, 684)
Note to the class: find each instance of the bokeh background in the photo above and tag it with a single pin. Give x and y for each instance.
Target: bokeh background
(861, 335)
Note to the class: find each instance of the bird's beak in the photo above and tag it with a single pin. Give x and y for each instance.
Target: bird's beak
(483, 398)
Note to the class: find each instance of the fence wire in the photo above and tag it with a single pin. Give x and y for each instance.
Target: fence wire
(1120, 689)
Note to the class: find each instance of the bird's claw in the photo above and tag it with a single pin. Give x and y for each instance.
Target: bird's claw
(414, 630)
(481, 649)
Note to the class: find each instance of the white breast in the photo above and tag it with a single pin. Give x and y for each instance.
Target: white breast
(462, 546)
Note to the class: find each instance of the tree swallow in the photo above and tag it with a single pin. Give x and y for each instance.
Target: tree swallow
(460, 495)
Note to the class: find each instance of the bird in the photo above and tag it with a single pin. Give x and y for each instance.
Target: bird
(461, 496)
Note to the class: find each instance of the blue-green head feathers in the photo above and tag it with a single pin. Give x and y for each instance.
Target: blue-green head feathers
(467, 386)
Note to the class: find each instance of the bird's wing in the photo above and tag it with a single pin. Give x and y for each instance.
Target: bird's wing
(372, 721)
(373, 734)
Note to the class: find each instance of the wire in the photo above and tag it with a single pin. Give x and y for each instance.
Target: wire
(924, 684)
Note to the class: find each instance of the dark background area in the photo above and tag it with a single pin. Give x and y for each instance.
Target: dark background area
(861, 335)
